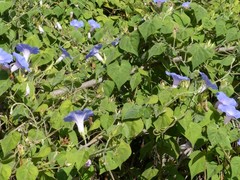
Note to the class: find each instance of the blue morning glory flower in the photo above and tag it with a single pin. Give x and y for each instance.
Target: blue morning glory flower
(95, 52)
(93, 24)
(63, 55)
(207, 81)
(159, 1)
(88, 163)
(115, 42)
(27, 50)
(186, 5)
(177, 78)
(79, 117)
(225, 100)
(231, 112)
(77, 24)
(20, 63)
(5, 58)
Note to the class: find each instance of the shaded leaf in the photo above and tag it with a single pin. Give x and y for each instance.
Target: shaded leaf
(27, 172)
(10, 141)
(114, 159)
(213, 169)
(156, 49)
(232, 34)
(164, 120)
(5, 5)
(218, 136)
(193, 132)
(199, 54)
(5, 171)
(131, 111)
(130, 43)
(5, 82)
(81, 157)
(135, 80)
(108, 87)
(132, 128)
(147, 28)
(119, 73)
(150, 173)
(199, 11)
(235, 164)
(197, 163)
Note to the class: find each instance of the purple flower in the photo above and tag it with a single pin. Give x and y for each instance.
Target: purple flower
(159, 1)
(63, 55)
(20, 63)
(225, 100)
(79, 117)
(27, 50)
(231, 112)
(77, 24)
(115, 42)
(5, 58)
(93, 24)
(88, 163)
(207, 81)
(95, 52)
(177, 78)
(186, 5)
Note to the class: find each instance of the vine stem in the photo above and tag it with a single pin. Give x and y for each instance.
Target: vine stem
(84, 85)
(33, 118)
(94, 140)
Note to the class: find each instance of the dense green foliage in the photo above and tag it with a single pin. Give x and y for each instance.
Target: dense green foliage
(142, 128)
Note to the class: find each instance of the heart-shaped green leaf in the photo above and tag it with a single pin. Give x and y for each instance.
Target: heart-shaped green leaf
(130, 43)
(119, 74)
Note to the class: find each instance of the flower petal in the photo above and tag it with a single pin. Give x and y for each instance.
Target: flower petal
(230, 111)
(207, 81)
(93, 24)
(5, 57)
(177, 78)
(186, 4)
(64, 51)
(21, 61)
(77, 24)
(78, 117)
(94, 50)
(24, 47)
(225, 100)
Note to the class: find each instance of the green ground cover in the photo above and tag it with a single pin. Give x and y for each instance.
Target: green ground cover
(116, 89)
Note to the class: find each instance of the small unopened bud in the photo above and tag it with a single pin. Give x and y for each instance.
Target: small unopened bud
(89, 35)
(88, 163)
(27, 90)
(68, 164)
(71, 15)
(40, 29)
(58, 26)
